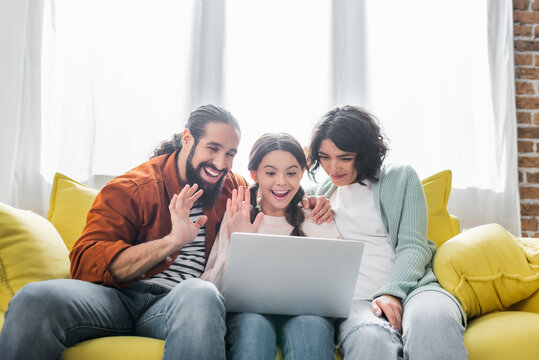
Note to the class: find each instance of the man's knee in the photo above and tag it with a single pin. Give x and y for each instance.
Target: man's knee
(38, 297)
(199, 293)
(196, 301)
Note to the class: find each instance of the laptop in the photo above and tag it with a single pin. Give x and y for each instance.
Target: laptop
(291, 275)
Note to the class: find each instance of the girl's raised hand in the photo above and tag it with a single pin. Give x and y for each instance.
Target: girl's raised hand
(239, 213)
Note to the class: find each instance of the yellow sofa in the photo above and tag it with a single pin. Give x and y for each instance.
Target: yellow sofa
(495, 276)
(33, 249)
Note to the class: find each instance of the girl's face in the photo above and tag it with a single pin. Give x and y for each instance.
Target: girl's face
(278, 177)
(338, 164)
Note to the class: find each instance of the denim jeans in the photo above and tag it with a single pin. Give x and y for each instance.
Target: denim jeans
(432, 328)
(254, 336)
(46, 317)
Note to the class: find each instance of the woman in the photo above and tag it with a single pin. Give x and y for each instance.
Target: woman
(277, 163)
(400, 310)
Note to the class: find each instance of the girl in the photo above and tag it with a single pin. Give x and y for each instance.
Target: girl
(277, 163)
(400, 310)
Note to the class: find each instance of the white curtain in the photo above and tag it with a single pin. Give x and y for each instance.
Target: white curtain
(116, 82)
(277, 68)
(12, 39)
(439, 76)
(112, 80)
(119, 76)
(21, 117)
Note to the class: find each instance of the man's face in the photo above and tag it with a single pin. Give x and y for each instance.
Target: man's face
(210, 158)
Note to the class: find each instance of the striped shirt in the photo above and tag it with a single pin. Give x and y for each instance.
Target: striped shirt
(191, 261)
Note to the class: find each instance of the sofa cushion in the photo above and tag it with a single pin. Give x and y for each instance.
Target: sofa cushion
(488, 269)
(441, 226)
(116, 347)
(530, 304)
(503, 335)
(69, 205)
(30, 250)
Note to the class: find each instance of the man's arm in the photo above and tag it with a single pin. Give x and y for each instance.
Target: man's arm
(111, 230)
(134, 261)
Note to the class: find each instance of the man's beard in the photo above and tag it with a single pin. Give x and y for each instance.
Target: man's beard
(211, 191)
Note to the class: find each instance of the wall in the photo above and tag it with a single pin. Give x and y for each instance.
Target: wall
(526, 45)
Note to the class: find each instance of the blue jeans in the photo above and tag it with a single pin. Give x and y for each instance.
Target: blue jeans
(254, 336)
(431, 329)
(46, 317)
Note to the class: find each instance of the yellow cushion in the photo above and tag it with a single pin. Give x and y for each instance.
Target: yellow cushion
(30, 250)
(488, 269)
(69, 205)
(117, 347)
(441, 226)
(530, 304)
(503, 335)
(1, 320)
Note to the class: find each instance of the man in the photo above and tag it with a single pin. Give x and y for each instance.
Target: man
(147, 238)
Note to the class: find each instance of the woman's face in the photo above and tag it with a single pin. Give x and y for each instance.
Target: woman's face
(278, 177)
(338, 164)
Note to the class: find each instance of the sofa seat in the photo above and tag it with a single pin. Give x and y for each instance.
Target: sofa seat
(503, 335)
(117, 347)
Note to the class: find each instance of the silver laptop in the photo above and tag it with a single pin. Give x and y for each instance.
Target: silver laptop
(291, 275)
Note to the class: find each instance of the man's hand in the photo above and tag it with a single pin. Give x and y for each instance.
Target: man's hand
(391, 307)
(184, 230)
(321, 208)
(239, 213)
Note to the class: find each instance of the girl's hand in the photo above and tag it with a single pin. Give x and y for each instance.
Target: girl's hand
(321, 208)
(239, 213)
(391, 307)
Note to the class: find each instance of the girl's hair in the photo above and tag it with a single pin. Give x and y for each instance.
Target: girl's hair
(263, 146)
(197, 126)
(354, 130)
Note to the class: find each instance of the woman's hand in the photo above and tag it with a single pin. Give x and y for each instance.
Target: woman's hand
(184, 230)
(239, 213)
(391, 307)
(321, 208)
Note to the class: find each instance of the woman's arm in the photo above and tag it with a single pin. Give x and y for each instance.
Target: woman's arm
(404, 208)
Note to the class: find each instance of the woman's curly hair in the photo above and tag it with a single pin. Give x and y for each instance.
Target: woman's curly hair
(354, 130)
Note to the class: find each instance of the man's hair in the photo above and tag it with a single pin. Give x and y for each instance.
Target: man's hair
(354, 130)
(263, 146)
(196, 124)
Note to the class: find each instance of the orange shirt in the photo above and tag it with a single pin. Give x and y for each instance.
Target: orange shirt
(132, 209)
